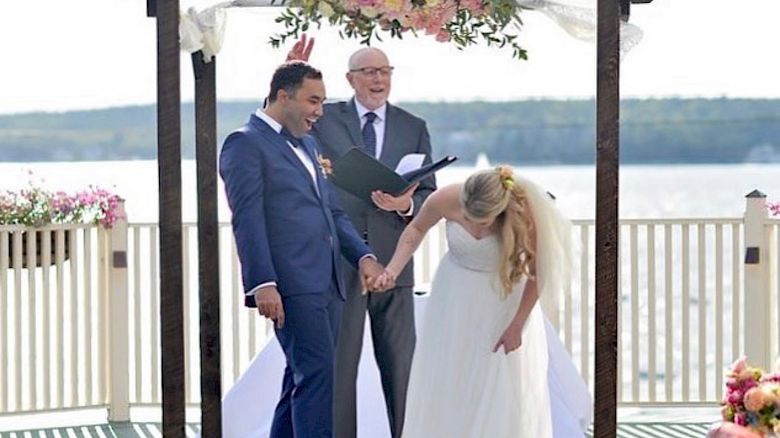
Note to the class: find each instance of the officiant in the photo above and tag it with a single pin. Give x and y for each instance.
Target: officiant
(387, 133)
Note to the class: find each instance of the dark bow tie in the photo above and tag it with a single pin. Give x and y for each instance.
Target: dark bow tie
(295, 141)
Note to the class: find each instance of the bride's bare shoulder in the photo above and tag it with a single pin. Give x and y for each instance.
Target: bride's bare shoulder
(446, 200)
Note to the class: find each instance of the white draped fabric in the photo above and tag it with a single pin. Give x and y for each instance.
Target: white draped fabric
(248, 407)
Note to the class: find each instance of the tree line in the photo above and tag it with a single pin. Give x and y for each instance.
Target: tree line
(652, 131)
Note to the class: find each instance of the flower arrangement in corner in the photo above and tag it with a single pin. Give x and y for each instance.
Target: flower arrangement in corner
(462, 22)
(752, 399)
(36, 207)
(774, 209)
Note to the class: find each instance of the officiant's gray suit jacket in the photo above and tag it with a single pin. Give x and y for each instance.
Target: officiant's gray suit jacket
(391, 313)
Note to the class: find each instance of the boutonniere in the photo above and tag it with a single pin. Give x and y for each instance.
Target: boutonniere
(325, 165)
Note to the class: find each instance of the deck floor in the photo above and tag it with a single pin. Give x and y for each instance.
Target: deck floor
(147, 430)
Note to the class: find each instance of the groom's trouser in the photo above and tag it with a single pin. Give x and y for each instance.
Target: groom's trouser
(393, 335)
(308, 338)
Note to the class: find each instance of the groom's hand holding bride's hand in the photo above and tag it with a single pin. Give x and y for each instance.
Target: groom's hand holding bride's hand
(370, 269)
(269, 304)
(386, 280)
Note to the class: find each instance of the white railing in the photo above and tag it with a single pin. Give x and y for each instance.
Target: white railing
(677, 277)
(53, 323)
(84, 332)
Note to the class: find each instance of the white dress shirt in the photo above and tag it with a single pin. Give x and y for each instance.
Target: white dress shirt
(302, 155)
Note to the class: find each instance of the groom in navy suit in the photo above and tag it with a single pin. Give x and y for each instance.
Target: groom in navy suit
(291, 233)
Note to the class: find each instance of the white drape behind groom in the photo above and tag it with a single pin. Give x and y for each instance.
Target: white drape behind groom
(247, 413)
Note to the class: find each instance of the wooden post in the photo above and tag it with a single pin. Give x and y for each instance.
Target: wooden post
(758, 304)
(119, 356)
(208, 244)
(607, 228)
(169, 167)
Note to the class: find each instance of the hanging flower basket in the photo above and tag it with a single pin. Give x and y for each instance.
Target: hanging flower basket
(35, 207)
(26, 235)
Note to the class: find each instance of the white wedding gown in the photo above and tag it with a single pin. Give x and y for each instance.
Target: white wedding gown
(460, 388)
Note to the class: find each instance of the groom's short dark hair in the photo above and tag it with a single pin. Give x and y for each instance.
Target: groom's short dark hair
(289, 77)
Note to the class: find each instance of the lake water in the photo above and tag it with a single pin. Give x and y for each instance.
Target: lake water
(652, 191)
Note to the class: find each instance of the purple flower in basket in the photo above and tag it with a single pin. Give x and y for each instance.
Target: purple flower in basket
(774, 208)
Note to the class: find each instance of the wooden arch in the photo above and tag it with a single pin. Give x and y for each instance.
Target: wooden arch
(609, 15)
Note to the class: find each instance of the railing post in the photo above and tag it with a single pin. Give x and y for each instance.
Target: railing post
(119, 407)
(758, 301)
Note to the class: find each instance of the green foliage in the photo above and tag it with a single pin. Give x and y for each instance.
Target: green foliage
(461, 22)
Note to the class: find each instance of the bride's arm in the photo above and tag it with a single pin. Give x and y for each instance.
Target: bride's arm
(512, 337)
(442, 203)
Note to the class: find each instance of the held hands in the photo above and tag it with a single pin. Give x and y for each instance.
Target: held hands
(512, 337)
(387, 202)
(269, 304)
(386, 280)
(301, 50)
(370, 271)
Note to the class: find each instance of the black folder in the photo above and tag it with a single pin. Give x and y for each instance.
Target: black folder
(360, 174)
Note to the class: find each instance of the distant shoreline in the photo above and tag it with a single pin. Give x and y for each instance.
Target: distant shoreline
(539, 132)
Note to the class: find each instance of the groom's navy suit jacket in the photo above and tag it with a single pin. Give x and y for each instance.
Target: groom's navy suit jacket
(286, 232)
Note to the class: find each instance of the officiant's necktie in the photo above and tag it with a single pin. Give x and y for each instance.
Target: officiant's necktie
(369, 134)
(295, 141)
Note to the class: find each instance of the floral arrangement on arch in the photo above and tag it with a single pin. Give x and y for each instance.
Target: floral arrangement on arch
(752, 399)
(36, 207)
(462, 22)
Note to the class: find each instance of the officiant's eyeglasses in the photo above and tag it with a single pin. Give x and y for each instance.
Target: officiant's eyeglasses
(371, 71)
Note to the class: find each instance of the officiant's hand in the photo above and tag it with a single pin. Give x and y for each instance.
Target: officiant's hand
(301, 50)
(388, 202)
(269, 304)
(370, 269)
(512, 337)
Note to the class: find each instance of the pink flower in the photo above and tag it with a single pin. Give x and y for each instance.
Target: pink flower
(740, 419)
(739, 365)
(774, 377)
(731, 430)
(735, 398)
(747, 382)
(755, 399)
(443, 36)
(774, 208)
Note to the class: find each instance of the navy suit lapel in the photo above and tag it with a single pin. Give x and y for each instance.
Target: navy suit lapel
(312, 153)
(285, 150)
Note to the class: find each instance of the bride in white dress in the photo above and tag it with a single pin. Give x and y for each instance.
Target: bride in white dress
(481, 363)
(459, 387)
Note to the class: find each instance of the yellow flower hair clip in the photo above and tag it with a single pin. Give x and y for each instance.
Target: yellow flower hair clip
(506, 175)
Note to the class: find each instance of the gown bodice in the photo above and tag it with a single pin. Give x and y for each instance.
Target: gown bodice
(470, 252)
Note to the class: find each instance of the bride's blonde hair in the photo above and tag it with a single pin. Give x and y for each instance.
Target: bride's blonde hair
(495, 194)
